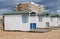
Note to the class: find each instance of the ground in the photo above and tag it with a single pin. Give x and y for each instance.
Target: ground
(54, 34)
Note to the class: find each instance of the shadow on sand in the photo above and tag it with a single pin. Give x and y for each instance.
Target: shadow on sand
(40, 30)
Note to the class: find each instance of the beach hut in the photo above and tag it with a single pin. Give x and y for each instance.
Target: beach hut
(29, 21)
(16, 21)
(23, 21)
(54, 19)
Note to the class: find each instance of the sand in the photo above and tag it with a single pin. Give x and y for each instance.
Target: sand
(54, 34)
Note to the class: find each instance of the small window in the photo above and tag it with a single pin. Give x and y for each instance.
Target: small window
(59, 18)
(24, 18)
(20, 7)
(40, 18)
(20, 10)
(47, 24)
(51, 19)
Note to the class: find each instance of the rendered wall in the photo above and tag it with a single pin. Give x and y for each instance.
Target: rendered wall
(41, 24)
(59, 21)
(14, 22)
(54, 22)
(46, 19)
(32, 19)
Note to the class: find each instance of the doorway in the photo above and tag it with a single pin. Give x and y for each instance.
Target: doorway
(32, 26)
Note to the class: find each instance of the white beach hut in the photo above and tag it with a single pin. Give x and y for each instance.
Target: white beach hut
(54, 20)
(23, 21)
(26, 21)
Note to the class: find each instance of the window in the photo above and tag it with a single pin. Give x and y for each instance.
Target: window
(24, 18)
(40, 18)
(51, 19)
(20, 5)
(20, 8)
(59, 18)
(47, 24)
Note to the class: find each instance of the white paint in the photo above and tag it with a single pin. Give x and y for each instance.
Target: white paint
(32, 19)
(41, 25)
(46, 19)
(25, 27)
(58, 21)
(54, 22)
(14, 22)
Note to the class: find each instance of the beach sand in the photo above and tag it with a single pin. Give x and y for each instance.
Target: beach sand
(54, 34)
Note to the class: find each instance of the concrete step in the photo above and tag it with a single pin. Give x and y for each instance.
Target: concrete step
(41, 30)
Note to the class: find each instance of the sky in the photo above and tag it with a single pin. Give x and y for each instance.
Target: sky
(51, 6)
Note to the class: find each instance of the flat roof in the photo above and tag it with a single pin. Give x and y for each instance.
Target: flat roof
(16, 13)
(23, 12)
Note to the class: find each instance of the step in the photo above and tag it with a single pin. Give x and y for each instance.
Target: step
(41, 30)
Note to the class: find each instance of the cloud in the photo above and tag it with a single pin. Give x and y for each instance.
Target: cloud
(6, 5)
(50, 5)
(58, 11)
(12, 3)
(2, 11)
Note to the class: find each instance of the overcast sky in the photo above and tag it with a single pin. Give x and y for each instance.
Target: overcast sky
(52, 6)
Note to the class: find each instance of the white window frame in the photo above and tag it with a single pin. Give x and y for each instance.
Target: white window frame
(24, 20)
(40, 18)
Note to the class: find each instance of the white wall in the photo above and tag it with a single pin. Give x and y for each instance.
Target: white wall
(32, 19)
(54, 22)
(46, 19)
(25, 27)
(14, 22)
(41, 24)
(59, 21)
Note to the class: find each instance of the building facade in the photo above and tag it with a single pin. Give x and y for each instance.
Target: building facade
(30, 6)
(26, 21)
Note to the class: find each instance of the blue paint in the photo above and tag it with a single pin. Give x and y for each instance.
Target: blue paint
(32, 25)
(24, 19)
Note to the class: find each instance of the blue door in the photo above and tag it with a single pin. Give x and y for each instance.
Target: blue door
(32, 25)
